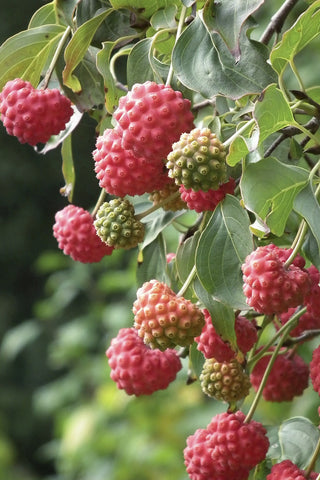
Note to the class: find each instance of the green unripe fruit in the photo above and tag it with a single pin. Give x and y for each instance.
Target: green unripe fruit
(224, 381)
(197, 160)
(117, 226)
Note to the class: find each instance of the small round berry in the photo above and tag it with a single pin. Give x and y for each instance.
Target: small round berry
(32, 115)
(136, 368)
(225, 381)
(270, 286)
(121, 173)
(164, 320)
(198, 160)
(287, 470)
(117, 225)
(201, 201)
(151, 117)
(288, 377)
(315, 369)
(76, 235)
(228, 448)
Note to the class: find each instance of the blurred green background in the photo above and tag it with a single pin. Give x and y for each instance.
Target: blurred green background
(61, 417)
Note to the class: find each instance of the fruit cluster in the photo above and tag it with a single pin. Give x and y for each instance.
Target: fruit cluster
(156, 149)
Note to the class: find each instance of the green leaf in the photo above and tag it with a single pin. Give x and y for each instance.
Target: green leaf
(272, 112)
(241, 146)
(165, 18)
(222, 315)
(155, 222)
(144, 8)
(25, 54)
(203, 63)
(65, 11)
(46, 15)
(153, 263)
(228, 20)
(306, 205)
(185, 260)
(143, 66)
(298, 438)
(77, 48)
(56, 140)
(197, 360)
(222, 249)
(92, 95)
(269, 188)
(302, 32)
(311, 249)
(68, 168)
(112, 94)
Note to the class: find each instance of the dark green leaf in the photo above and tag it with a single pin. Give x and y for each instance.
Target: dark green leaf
(222, 249)
(77, 48)
(156, 223)
(68, 167)
(302, 32)
(185, 260)
(272, 112)
(25, 54)
(298, 438)
(65, 10)
(153, 264)
(228, 20)
(306, 205)
(269, 188)
(112, 94)
(144, 8)
(311, 249)
(44, 16)
(197, 360)
(92, 95)
(222, 316)
(203, 63)
(165, 18)
(142, 65)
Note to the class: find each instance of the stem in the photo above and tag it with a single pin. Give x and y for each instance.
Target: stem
(295, 71)
(55, 58)
(187, 282)
(313, 460)
(267, 372)
(287, 326)
(179, 30)
(277, 20)
(158, 205)
(101, 198)
(297, 242)
(239, 132)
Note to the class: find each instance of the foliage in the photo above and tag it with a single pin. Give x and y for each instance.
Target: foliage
(263, 103)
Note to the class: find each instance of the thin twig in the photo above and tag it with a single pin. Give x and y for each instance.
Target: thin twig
(277, 21)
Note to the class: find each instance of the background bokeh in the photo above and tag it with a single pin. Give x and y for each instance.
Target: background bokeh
(61, 417)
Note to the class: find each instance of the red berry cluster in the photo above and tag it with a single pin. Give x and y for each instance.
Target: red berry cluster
(32, 115)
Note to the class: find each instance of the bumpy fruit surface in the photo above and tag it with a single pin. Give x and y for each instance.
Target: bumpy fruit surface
(287, 470)
(31, 115)
(224, 381)
(227, 449)
(269, 286)
(212, 346)
(206, 201)
(121, 173)
(165, 192)
(136, 368)
(315, 369)
(164, 320)
(197, 160)
(288, 377)
(151, 117)
(117, 226)
(77, 237)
